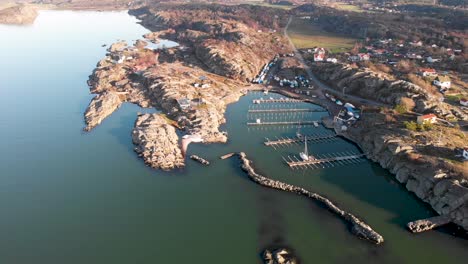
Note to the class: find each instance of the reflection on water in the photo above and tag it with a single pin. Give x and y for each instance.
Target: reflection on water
(74, 197)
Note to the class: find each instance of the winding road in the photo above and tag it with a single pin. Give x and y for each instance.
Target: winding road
(322, 86)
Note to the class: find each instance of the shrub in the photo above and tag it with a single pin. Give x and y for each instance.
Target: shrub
(411, 125)
(400, 108)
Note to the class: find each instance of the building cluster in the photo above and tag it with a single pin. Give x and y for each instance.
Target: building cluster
(202, 83)
(349, 112)
(260, 79)
(320, 55)
(392, 51)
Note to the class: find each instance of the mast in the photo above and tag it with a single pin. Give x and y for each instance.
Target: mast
(305, 149)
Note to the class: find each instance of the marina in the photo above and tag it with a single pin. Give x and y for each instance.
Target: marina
(285, 110)
(324, 161)
(283, 123)
(273, 100)
(287, 141)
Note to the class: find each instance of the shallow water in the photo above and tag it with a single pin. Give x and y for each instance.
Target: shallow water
(74, 197)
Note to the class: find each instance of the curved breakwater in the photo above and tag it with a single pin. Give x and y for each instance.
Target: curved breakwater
(358, 227)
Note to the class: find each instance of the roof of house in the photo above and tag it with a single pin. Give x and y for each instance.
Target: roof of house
(428, 116)
(427, 70)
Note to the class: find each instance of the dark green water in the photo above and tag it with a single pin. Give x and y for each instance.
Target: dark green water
(71, 197)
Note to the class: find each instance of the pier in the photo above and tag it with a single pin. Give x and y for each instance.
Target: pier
(286, 110)
(284, 123)
(327, 160)
(278, 100)
(289, 141)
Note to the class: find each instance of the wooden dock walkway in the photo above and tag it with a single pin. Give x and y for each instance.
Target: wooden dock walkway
(278, 100)
(295, 140)
(280, 123)
(327, 160)
(286, 110)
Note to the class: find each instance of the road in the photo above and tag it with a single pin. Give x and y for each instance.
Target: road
(322, 86)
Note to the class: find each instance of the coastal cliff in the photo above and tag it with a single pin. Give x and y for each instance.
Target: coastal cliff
(383, 88)
(232, 41)
(426, 167)
(18, 15)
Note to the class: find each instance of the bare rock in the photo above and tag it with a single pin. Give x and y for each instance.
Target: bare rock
(18, 15)
(157, 142)
(101, 107)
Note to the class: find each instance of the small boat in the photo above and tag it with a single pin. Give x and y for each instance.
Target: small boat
(316, 124)
(298, 133)
(338, 102)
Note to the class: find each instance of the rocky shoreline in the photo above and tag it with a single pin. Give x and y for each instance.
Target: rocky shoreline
(358, 227)
(157, 142)
(18, 15)
(433, 184)
(191, 84)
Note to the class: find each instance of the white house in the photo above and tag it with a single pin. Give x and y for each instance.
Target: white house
(464, 102)
(465, 153)
(319, 56)
(442, 82)
(430, 118)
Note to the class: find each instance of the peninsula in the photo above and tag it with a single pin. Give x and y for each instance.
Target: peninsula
(221, 50)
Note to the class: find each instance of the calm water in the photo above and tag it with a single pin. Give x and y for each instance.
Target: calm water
(73, 197)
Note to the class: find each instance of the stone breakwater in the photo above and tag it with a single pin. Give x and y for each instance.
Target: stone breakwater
(157, 142)
(358, 227)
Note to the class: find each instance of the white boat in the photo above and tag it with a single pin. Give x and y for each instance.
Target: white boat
(338, 102)
(316, 124)
(304, 155)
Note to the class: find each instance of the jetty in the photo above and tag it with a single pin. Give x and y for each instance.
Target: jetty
(287, 110)
(358, 227)
(283, 123)
(200, 160)
(277, 100)
(324, 161)
(286, 141)
(227, 156)
(427, 224)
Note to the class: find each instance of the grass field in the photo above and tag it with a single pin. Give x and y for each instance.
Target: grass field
(305, 34)
(261, 3)
(348, 7)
